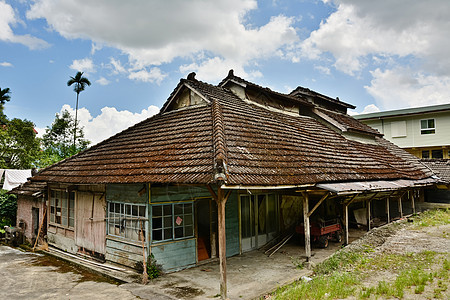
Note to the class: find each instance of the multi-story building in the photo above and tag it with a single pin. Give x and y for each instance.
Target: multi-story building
(422, 131)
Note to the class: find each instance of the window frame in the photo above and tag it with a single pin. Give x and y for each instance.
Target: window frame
(427, 129)
(174, 227)
(63, 202)
(128, 222)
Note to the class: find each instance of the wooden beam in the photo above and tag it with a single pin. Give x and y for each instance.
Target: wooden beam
(400, 209)
(324, 197)
(412, 201)
(221, 200)
(346, 205)
(368, 215)
(388, 210)
(306, 226)
(212, 192)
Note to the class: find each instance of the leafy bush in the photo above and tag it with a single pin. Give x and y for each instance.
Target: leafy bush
(8, 209)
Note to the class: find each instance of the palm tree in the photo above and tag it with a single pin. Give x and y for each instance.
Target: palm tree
(4, 96)
(80, 83)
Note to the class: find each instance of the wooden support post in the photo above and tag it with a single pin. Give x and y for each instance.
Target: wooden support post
(306, 226)
(368, 215)
(346, 205)
(412, 202)
(388, 210)
(400, 209)
(346, 223)
(221, 200)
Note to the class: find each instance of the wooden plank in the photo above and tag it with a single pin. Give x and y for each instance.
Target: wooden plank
(129, 193)
(388, 210)
(232, 225)
(170, 193)
(221, 201)
(175, 255)
(368, 215)
(324, 197)
(400, 208)
(306, 226)
(90, 225)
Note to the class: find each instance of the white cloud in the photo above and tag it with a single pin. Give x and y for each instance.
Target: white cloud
(360, 29)
(8, 18)
(117, 65)
(154, 75)
(103, 81)
(83, 65)
(403, 87)
(6, 64)
(323, 69)
(109, 122)
(158, 31)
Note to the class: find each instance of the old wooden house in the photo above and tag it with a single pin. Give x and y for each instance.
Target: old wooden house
(221, 170)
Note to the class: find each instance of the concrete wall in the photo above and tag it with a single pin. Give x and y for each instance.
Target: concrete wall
(25, 205)
(413, 137)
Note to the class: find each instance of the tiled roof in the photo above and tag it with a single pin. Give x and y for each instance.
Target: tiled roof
(255, 146)
(439, 166)
(29, 188)
(350, 123)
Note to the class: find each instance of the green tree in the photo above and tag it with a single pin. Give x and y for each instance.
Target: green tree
(8, 209)
(80, 83)
(57, 142)
(4, 97)
(19, 146)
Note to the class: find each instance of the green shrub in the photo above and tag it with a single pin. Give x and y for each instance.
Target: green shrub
(8, 209)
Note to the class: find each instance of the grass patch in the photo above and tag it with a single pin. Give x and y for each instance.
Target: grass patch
(432, 218)
(337, 285)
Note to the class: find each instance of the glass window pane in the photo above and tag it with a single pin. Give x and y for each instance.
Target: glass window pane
(142, 211)
(168, 221)
(157, 223)
(188, 219)
(189, 231)
(128, 209)
(117, 207)
(168, 234)
(178, 232)
(157, 235)
(135, 210)
(423, 124)
(167, 210)
(188, 208)
(178, 209)
(156, 210)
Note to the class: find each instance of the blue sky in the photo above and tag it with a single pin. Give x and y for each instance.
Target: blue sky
(377, 55)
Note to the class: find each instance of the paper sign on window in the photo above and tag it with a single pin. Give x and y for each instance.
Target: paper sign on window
(179, 221)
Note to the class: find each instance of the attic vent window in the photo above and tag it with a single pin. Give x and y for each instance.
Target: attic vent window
(427, 126)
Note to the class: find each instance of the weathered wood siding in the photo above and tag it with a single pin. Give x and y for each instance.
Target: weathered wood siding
(129, 193)
(123, 252)
(177, 255)
(232, 224)
(119, 250)
(90, 221)
(171, 193)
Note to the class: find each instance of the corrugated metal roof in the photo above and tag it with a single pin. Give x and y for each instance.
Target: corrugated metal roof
(374, 186)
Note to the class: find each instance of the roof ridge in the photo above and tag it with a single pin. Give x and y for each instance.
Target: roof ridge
(219, 144)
